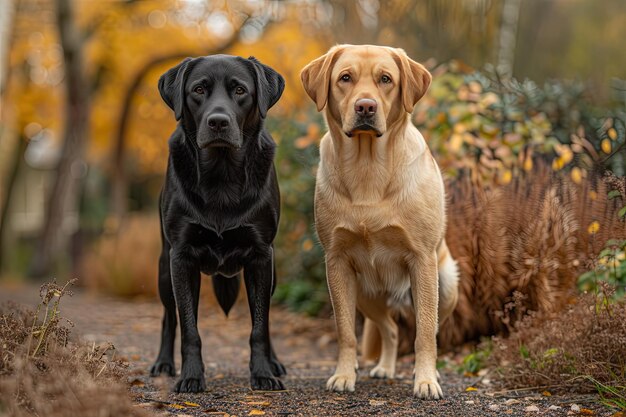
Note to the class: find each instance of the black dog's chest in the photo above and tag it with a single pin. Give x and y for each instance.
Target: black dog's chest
(225, 253)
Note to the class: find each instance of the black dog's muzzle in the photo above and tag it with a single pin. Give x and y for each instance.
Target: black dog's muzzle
(219, 132)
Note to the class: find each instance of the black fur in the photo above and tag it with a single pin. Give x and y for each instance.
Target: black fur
(219, 207)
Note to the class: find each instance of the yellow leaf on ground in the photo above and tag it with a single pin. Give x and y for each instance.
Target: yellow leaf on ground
(261, 403)
(471, 389)
(546, 394)
(256, 413)
(190, 404)
(177, 406)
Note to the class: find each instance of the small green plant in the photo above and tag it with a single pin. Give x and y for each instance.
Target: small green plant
(303, 296)
(611, 396)
(610, 267)
(476, 360)
(48, 326)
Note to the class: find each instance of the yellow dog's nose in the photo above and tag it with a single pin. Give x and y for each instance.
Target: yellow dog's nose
(365, 107)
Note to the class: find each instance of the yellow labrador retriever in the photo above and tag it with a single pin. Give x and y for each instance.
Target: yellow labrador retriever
(379, 208)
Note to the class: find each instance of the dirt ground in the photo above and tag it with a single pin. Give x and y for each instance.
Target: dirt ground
(306, 347)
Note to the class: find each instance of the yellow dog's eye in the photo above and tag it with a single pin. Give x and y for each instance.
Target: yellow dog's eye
(345, 78)
(385, 79)
(240, 90)
(199, 90)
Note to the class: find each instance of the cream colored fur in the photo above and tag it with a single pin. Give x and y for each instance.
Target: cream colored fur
(380, 210)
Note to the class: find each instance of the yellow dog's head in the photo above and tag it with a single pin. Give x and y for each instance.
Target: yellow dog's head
(365, 88)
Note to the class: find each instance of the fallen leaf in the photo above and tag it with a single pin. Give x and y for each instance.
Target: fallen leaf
(256, 413)
(377, 403)
(468, 389)
(586, 412)
(177, 406)
(190, 404)
(546, 394)
(593, 228)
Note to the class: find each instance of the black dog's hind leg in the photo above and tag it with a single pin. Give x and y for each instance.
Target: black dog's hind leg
(258, 278)
(164, 363)
(186, 283)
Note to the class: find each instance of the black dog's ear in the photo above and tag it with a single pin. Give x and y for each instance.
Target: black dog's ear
(269, 86)
(172, 86)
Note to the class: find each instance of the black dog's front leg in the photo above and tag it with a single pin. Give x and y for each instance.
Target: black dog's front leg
(165, 361)
(186, 283)
(263, 363)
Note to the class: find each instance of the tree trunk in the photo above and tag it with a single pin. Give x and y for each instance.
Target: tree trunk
(63, 194)
(508, 37)
(12, 174)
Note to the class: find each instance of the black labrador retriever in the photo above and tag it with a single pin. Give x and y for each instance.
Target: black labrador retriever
(219, 207)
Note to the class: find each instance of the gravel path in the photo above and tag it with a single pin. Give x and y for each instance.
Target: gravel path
(308, 349)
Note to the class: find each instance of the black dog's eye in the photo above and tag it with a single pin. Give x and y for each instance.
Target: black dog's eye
(345, 78)
(385, 79)
(199, 90)
(240, 90)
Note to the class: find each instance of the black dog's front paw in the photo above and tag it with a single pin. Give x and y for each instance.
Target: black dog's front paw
(278, 369)
(163, 367)
(194, 384)
(191, 377)
(266, 383)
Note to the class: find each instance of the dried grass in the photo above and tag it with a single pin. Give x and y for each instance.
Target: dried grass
(44, 373)
(579, 349)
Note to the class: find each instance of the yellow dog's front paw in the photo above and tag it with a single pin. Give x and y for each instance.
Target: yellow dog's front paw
(427, 389)
(341, 382)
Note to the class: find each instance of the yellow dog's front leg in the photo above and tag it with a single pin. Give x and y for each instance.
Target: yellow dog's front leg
(342, 287)
(425, 291)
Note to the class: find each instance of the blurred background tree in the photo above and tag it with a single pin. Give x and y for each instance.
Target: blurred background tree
(84, 132)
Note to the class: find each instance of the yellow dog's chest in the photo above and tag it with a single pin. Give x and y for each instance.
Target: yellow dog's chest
(379, 255)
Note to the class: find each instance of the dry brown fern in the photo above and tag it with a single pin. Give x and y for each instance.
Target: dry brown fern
(531, 235)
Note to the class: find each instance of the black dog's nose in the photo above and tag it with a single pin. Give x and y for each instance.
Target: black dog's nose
(218, 122)
(365, 107)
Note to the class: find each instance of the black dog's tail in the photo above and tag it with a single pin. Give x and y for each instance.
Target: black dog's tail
(226, 290)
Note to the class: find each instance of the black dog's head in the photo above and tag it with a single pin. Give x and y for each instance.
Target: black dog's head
(217, 98)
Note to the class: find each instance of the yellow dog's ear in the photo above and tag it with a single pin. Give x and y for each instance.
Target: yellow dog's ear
(414, 80)
(316, 76)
